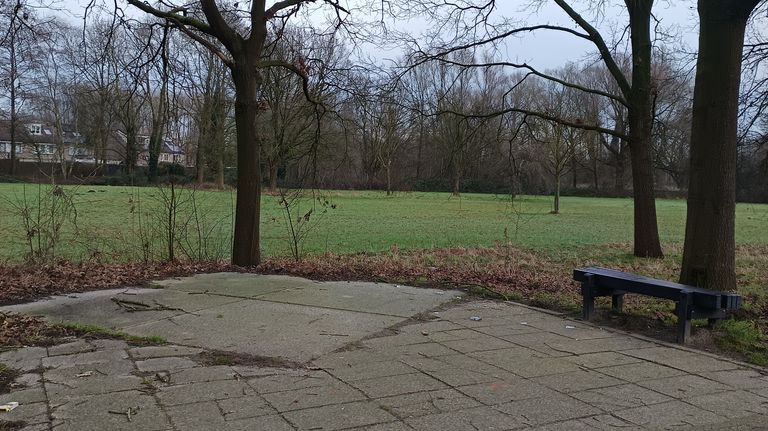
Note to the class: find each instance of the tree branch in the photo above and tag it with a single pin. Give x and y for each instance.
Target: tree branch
(602, 47)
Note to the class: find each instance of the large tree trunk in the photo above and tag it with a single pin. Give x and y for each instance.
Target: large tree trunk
(556, 207)
(709, 251)
(640, 126)
(247, 79)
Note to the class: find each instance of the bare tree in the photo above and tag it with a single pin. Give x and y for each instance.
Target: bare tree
(243, 35)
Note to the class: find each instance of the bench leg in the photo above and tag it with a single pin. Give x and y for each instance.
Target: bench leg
(683, 321)
(588, 297)
(617, 303)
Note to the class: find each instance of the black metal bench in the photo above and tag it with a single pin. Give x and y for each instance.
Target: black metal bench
(692, 302)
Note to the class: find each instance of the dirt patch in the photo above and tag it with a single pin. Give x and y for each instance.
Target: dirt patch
(220, 357)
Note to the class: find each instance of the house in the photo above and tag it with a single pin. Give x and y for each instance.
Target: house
(170, 152)
(42, 142)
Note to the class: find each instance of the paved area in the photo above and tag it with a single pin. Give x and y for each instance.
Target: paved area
(515, 368)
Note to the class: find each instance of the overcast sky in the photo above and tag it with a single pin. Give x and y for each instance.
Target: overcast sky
(544, 49)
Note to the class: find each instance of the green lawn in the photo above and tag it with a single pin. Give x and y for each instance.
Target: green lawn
(110, 221)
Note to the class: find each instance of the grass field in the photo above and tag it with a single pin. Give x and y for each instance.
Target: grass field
(120, 224)
(113, 220)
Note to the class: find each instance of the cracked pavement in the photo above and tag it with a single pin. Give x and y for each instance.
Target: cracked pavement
(364, 365)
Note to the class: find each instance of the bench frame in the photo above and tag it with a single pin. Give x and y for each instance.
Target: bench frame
(691, 302)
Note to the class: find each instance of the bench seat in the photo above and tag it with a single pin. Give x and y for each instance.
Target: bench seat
(692, 302)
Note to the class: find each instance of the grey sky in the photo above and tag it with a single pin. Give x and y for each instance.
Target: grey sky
(545, 49)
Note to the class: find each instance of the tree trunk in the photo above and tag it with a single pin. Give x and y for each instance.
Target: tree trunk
(247, 79)
(456, 185)
(556, 208)
(220, 172)
(388, 169)
(199, 163)
(273, 176)
(640, 126)
(709, 251)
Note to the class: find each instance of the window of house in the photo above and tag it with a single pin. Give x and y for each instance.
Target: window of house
(5, 147)
(35, 129)
(46, 148)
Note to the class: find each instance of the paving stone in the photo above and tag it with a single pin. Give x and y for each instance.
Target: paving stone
(162, 351)
(165, 364)
(245, 407)
(620, 397)
(580, 347)
(473, 364)
(577, 381)
(640, 372)
(684, 386)
(502, 391)
(206, 416)
(202, 374)
(93, 413)
(479, 343)
(66, 373)
(426, 403)
(667, 415)
(480, 418)
(349, 357)
(397, 385)
(503, 331)
(97, 357)
(683, 360)
(339, 416)
(430, 327)
(28, 380)
(740, 378)
(24, 396)
(368, 370)
(455, 376)
(535, 367)
(60, 389)
(45, 426)
(271, 423)
(201, 416)
(602, 359)
(108, 344)
(733, 405)
(427, 350)
(507, 357)
(592, 423)
(391, 426)
(206, 391)
(29, 413)
(288, 380)
(24, 359)
(552, 408)
(336, 393)
(398, 340)
(77, 346)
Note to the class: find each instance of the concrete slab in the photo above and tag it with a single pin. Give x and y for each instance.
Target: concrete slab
(266, 315)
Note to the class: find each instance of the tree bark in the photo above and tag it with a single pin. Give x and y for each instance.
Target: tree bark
(556, 208)
(246, 250)
(646, 232)
(709, 257)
